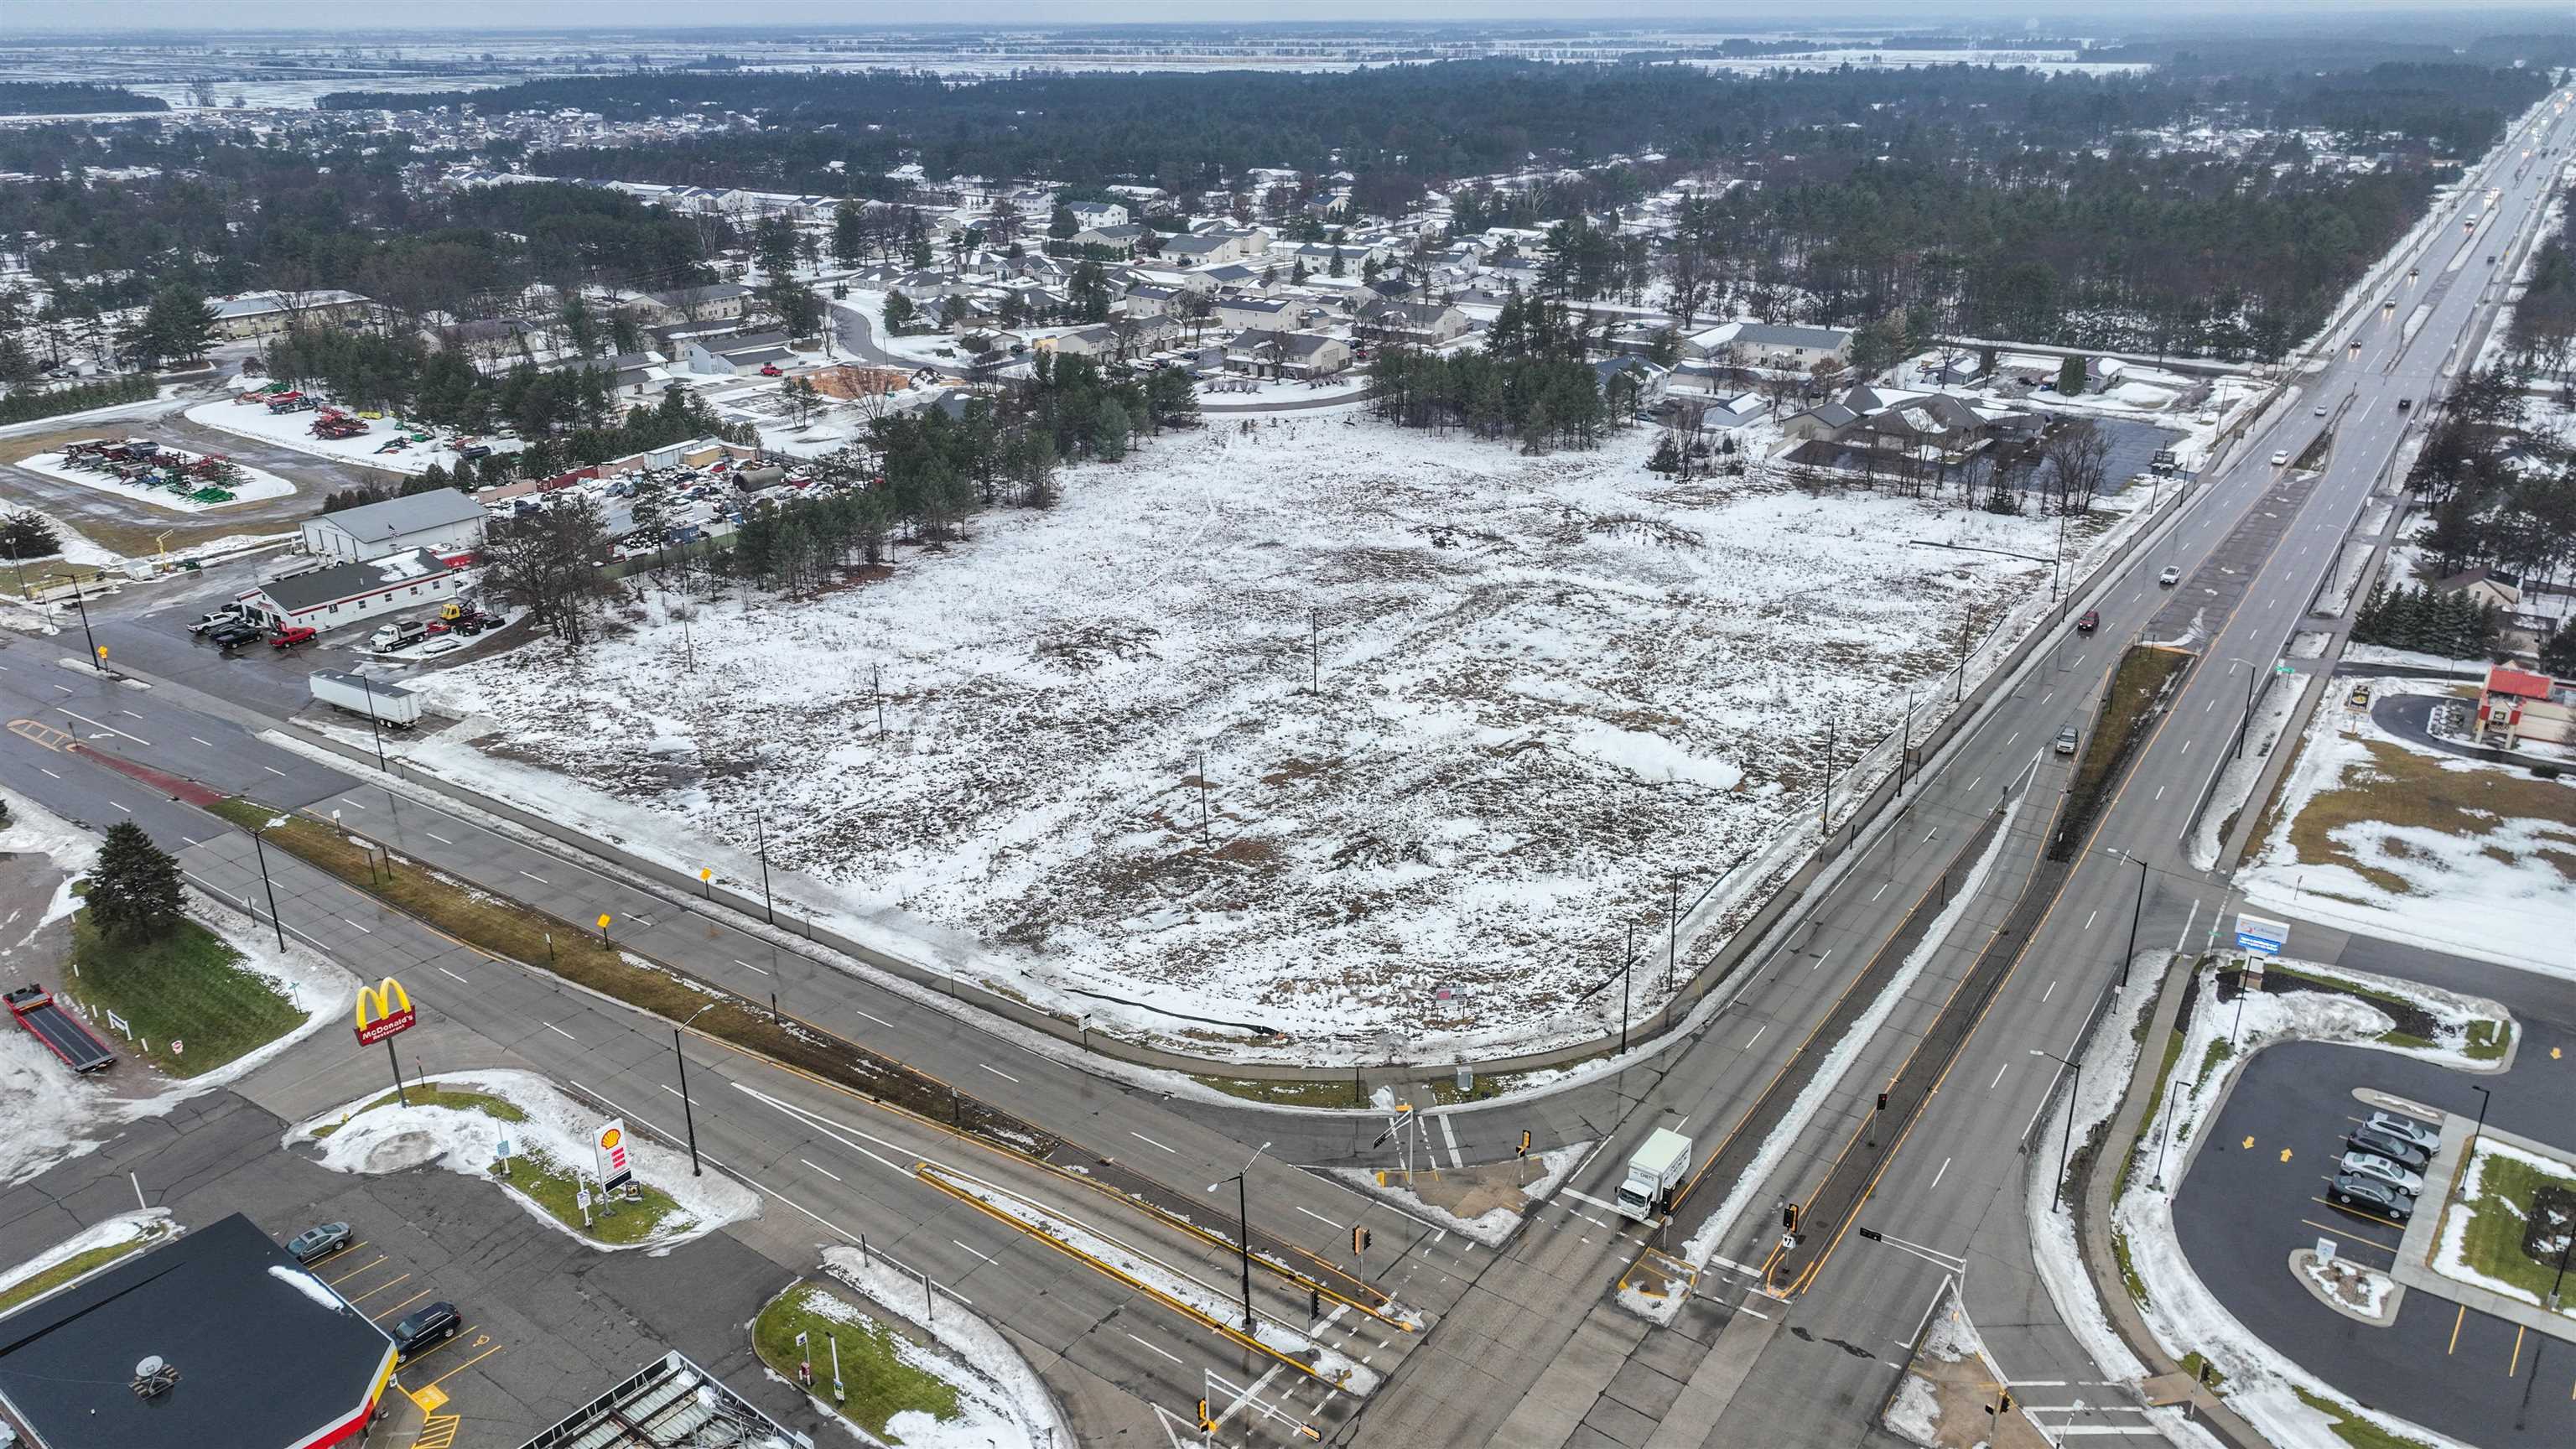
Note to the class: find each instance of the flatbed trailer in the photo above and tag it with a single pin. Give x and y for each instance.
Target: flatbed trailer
(59, 1030)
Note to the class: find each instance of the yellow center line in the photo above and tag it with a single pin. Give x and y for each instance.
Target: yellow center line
(399, 1307)
(379, 1288)
(2516, 1361)
(2460, 1318)
(469, 1363)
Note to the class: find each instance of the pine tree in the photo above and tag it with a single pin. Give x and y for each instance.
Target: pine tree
(1667, 457)
(2070, 377)
(134, 890)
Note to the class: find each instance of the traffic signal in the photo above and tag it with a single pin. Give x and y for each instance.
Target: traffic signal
(1882, 1101)
(1206, 1424)
(1872, 1235)
(1359, 1241)
(1525, 1142)
(1789, 1217)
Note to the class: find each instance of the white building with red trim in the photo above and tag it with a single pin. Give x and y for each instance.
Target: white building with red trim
(344, 594)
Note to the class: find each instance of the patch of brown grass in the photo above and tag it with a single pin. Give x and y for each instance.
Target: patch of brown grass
(2403, 788)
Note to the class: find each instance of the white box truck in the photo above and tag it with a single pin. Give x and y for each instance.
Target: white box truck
(1654, 1174)
(389, 703)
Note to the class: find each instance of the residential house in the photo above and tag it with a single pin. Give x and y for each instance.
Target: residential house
(737, 355)
(1122, 238)
(1765, 344)
(1421, 324)
(2485, 586)
(1152, 301)
(1288, 354)
(1283, 314)
(679, 306)
(1091, 215)
(1652, 381)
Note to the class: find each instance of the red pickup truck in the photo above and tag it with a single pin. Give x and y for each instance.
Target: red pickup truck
(290, 636)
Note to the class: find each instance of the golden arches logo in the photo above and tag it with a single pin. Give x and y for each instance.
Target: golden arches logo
(383, 1010)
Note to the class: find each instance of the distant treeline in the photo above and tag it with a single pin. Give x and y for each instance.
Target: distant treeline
(71, 98)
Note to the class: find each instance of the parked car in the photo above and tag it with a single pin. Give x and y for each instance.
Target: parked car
(436, 647)
(316, 1243)
(2360, 696)
(233, 636)
(2369, 1164)
(2405, 1154)
(2170, 577)
(289, 637)
(475, 452)
(2424, 1135)
(2370, 1195)
(424, 1330)
(2067, 740)
(2090, 620)
(2281, 459)
(2321, 410)
(216, 618)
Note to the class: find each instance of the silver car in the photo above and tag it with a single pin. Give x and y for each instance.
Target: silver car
(2066, 740)
(2371, 1164)
(2408, 1129)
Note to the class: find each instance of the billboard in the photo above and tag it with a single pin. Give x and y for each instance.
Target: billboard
(383, 1010)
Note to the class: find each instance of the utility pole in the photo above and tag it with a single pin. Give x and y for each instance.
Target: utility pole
(876, 692)
(78, 602)
(2135, 912)
(2066, 1151)
(688, 1113)
(1625, 966)
(367, 682)
(259, 847)
(1672, 930)
(1203, 800)
(760, 824)
(1960, 692)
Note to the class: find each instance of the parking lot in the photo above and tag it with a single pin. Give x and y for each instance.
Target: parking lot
(547, 1322)
(2257, 1191)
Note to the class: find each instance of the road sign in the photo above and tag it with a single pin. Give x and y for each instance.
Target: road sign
(608, 1146)
(2325, 1250)
(2253, 933)
(383, 1010)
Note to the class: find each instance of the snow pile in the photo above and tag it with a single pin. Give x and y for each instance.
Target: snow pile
(1549, 686)
(1493, 1226)
(2363, 1290)
(306, 1284)
(143, 1224)
(247, 485)
(985, 1418)
(394, 1138)
(2492, 889)
(979, 1345)
(1915, 1413)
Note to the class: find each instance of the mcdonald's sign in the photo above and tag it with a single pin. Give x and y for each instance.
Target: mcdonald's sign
(383, 1011)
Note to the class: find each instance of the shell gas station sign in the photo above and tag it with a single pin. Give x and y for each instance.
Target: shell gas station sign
(608, 1147)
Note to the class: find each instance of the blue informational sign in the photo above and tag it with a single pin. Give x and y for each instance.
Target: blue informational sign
(2263, 937)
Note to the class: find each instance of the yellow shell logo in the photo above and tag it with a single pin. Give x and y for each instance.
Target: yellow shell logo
(611, 1137)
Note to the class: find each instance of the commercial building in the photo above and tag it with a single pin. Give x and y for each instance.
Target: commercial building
(254, 315)
(442, 520)
(670, 1403)
(217, 1338)
(345, 594)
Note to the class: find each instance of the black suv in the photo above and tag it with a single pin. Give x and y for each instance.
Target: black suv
(233, 636)
(425, 1330)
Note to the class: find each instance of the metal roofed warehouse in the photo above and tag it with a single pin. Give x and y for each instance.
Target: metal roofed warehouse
(443, 520)
(258, 1353)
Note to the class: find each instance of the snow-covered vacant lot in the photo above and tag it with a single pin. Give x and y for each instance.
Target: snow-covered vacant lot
(1548, 685)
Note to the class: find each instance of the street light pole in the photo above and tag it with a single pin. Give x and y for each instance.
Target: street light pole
(2066, 1151)
(1243, 1221)
(83, 605)
(688, 1113)
(2245, 726)
(259, 847)
(2135, 912)
(368, 683)
(760, 823)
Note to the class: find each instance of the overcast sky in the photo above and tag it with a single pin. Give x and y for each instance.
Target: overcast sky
(385, 21)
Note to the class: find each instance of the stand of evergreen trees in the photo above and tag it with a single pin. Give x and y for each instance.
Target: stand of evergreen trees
(1531, 382)
(2452, 626)
(26, 405)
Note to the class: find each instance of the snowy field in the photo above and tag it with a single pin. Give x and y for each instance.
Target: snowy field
(2389, 836)
(1549, 686)
(295, 430)
(248, 485)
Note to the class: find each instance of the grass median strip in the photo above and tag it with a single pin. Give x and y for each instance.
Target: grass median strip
(36, 1285)
(2146, 674)
(505, 928)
